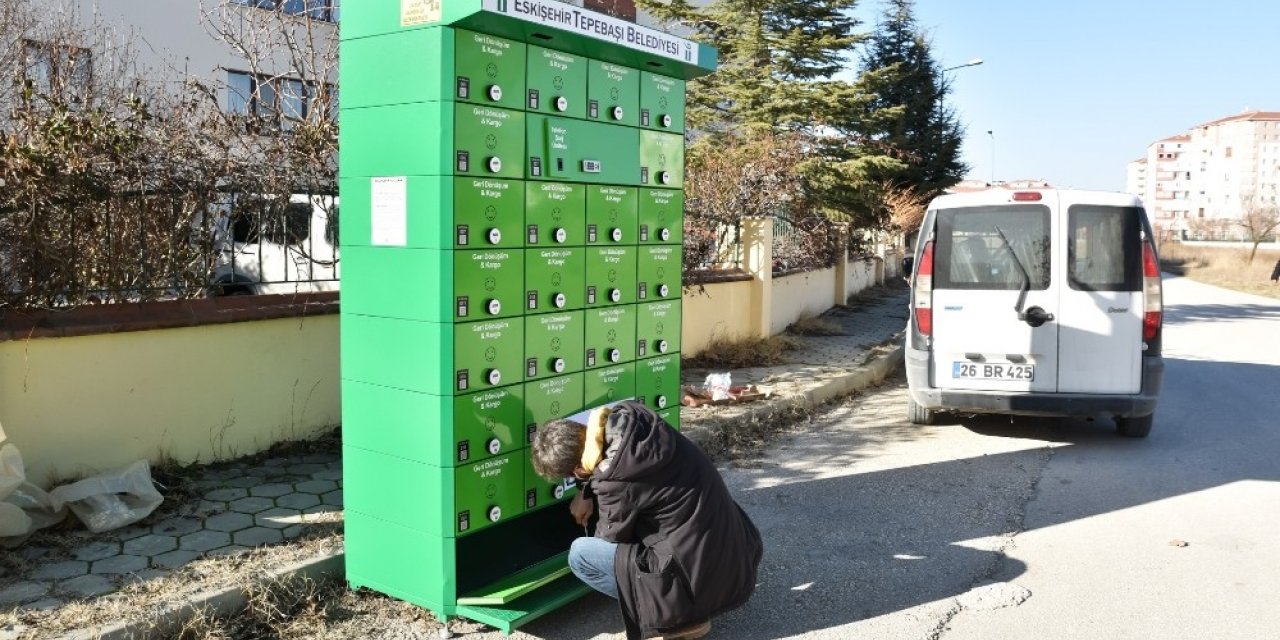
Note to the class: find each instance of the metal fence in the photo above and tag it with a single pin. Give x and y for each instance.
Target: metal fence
(712, 248)
(804, 244)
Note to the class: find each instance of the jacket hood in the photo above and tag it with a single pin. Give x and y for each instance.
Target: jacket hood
(636, 447)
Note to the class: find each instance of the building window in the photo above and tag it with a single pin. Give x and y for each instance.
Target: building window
(1228, 152)
(325, 10)
(288, 100)
(54, 68)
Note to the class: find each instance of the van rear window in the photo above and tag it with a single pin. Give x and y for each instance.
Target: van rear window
(1105, 249)
(982, 248)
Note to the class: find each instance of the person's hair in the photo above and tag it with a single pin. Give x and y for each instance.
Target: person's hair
(557, 449)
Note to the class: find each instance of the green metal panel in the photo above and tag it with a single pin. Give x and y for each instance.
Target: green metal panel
(610, 384)
(542, 601)
(413, 139)
(555, 279)
(370, 480)
(613, 93)
(611, 275)
(658, 382)
(440, 211)
(551, 399)
(612, 215)
(487, 213)
(487, 424)
(581, 151)
(555, 214)
(661, 159)
(489, 70)
(539, 492)
(394, 560)
(488, 141)
(658, 272)
(420, 356)
(488, 492)
(671, 417)
(611, 335)
(557, 83)
(433, 285)
(661, 216)
(370, 79)
(661, 102)
(657, 328)
(553, 344)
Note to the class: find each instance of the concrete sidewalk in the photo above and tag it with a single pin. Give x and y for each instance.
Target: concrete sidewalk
(254, 510)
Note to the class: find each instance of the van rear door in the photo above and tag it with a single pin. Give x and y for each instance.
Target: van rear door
(980, 257)
(1100, 313)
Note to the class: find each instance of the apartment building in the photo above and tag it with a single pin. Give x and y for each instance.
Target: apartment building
(1199, 184)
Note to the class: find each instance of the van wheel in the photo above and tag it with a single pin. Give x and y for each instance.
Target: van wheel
(1136, 426)
(918, 414)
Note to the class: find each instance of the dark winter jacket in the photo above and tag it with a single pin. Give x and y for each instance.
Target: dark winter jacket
(686, 551)
(1275, 273)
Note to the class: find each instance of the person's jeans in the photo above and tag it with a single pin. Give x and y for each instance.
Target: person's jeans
(591, 559)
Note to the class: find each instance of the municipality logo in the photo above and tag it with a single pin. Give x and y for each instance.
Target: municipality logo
(502, 6)
(688, 47)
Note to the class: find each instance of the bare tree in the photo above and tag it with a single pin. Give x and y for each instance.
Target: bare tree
(1259, 220)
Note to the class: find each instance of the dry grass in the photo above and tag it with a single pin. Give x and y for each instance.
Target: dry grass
(1227, 267)
(815, 326)
(741, 353)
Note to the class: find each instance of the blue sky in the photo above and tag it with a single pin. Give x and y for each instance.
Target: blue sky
(1075, 89)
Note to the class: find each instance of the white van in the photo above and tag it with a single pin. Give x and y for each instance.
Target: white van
(1038, 302)
(266, 245)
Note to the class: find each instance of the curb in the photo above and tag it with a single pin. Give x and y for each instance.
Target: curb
(229, 601)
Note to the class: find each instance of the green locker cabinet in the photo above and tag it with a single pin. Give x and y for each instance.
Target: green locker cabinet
(555, 214)
(551, 399)
(661, 102)
(658, 272)
(487, 424)
(553, 344)
(611, 276)
(539, 492)
(488, 492)
(662, 159)
(557, 83)
(581, 151)
(488, 141)
(472, 285)
(611, 335)
(430, 357)
(613, 93)
(490, 70)
(487, 213)
(671, 417)
(661, 216)
(658, 382)
(612, 215)
(556, 279)
(657, 328)
(611, 384)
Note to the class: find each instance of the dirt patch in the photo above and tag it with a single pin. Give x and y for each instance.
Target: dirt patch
(815, 326)
(1228, 267)
(742, 353)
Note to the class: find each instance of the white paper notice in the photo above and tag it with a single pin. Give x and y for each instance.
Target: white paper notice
(390, 212)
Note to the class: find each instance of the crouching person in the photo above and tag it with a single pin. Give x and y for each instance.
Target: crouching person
(670, 543)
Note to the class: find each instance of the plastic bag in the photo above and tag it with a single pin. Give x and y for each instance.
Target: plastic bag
(112, 500)
(24, 507)
(717, 384)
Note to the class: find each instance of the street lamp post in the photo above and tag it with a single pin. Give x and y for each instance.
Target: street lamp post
(993, 155)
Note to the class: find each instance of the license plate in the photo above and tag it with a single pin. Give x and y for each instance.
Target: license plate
(983, 371)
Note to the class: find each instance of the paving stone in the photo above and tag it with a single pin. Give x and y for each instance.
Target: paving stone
(320, 458)
(61, 570)
(229, 521)
(27, 591)
(316, 486)
(275, 462)
(132, 531)
(229, 550)
(292, 532)
(278, 518)
(251, 505)
(297, 501)
(121, 564)
(151, 545)
(227, 494)
(332, 474)
(211, 507)
(306, 469)
(43, 604)
(333, 498)
(243, 482)
(256, 536)
(145, 575)
(204, 540)
(32, 552)
(97, 550)
(88, 586)
(271, 490)
(175, 559)
(221, 475)
(176, 526)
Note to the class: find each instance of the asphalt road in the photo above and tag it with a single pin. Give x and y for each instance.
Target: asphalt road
(993, 528)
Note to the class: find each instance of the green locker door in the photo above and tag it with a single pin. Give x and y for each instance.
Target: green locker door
(612, 215)
(555, 214)
(487, 424)
(658, 272)
(487, 213)
(553, 344)
(661, 216)
(486, 284)
(661, 102)
(557, 83)
(611, 335)
(490, 70)
(539, 492)
(657, 328)
(556, 279)
(658, 382)
(671, 416)
(611, 276)
(580, 151)
(551, 399)
(488, 141)
(662, 159)
(488, 492)
(611, 384)
(487, 354)
(613, 94)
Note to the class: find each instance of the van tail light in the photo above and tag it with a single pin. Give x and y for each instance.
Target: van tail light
(1153, 306)
(922, 295)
